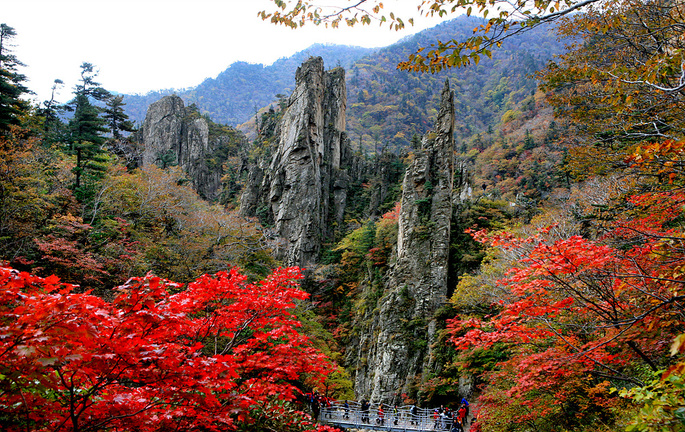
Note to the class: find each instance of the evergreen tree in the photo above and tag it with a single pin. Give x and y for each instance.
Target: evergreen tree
(415, 142)
(50, 107)
(528, 141)
(11, 87)
(53, 128)
(86, 129)
(117, 120)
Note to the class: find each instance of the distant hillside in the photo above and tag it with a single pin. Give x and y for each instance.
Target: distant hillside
(236, 93)
(386, 107)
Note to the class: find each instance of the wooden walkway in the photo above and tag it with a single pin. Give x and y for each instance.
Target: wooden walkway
(398, 419)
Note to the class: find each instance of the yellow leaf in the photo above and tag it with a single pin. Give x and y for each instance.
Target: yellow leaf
(678, 344)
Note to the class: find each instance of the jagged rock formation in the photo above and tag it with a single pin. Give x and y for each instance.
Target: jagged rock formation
(395, 352)
(304, 187)
(175, 134)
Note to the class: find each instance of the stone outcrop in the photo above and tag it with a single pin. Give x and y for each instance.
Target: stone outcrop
(299, 183)
(175, 134)
(394, 353)
(304, 187)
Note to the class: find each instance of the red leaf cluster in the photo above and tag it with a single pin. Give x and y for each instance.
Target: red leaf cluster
(155, 358)
(576, 308)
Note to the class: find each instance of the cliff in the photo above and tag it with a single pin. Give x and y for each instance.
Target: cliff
(302, 190)
(303, 180)
(394, 352)
(173, 134)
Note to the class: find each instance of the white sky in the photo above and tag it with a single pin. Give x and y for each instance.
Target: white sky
(143, 45)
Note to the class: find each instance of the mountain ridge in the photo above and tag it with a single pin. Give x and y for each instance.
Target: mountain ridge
(375, 85)
(236, 107)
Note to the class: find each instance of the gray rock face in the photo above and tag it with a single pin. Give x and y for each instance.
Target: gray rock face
(392, 355)
(171, 135)
(304, 188)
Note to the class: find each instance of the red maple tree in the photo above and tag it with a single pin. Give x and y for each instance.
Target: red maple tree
(213, 356)
(579, 313)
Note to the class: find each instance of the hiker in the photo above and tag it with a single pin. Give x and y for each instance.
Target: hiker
(316, 408)
(462, 414)
(347, 410)
(449, 419)
(365, 411)
(381, 415)
(414, 416)
(466, 405)
(456, 426)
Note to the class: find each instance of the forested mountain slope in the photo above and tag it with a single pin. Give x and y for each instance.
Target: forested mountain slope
(238, 92)
(386, 107)
(528, 251)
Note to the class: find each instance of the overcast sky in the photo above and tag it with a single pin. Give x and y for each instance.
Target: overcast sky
(143, 45)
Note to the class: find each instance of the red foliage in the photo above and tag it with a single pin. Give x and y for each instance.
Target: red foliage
(393, 214)
(577, 308)
(69, 256)
(378, 256)
(204, 358)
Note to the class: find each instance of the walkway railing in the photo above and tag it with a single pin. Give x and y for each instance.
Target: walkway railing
(391, 419)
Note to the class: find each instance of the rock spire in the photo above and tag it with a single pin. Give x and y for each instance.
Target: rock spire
(400, 355)
(173, 134)
(304, 188)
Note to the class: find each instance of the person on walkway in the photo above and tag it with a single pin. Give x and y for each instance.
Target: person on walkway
(456, 426)
(449, 419)
(346, 416)
(381, 415)
(414, 415)
(395, 415)
(462, 414)
(365, 411)
(465, 403)
(316, 408)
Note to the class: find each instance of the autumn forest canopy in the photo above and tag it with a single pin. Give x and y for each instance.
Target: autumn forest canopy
(131, 299)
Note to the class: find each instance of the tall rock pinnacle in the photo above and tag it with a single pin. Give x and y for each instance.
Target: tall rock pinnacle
(304, 187)
(178, 135)
(417, 284)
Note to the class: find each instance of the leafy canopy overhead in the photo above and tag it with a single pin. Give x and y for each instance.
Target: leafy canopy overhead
(623, 79)
(503, 19)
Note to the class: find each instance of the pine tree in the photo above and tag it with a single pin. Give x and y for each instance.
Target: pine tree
(53, 128)
(415, 142)
(87, 128)
(11, 87)
(50, 107)
(117, 120)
